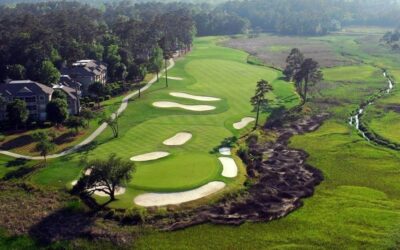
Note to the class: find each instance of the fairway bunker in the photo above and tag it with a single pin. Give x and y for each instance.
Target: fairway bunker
(195, 97)
(230, 169)
(118, 191)
(178, 139)
(150, 156)
(164, 199)
(197, 108)
(225, 151)
(175, 78)
(243, 123)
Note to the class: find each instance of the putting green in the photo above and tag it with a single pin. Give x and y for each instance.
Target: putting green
(209, 70)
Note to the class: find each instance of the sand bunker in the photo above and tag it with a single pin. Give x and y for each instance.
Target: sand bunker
(230, 168)
(194, 97)
(164, 199)
(225, 151)
(174, 78)
(197, 108)
(88, 171)
(118, 191)
(150, 156)
(243, 123)
(179, 139)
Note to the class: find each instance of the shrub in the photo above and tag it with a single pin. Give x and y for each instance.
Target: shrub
(91, 104)
(135, 215)
(108, 97)
(253, 138)
(101, 99)
(243, 152)
(2, 137)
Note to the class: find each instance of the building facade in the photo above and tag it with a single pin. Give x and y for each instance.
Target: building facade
(86, 72)
(36, 97)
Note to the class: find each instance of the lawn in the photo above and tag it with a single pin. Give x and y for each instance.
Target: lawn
(209, 70)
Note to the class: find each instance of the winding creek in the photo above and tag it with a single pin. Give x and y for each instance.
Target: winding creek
(354, 120)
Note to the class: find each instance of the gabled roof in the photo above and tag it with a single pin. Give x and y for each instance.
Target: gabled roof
(66, 80)
(24, 88)
(69, 91)
(85, 68)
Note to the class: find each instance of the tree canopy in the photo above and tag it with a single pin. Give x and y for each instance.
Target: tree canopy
(106, 175)
(57, 111)
(17, 112)
(259, 100)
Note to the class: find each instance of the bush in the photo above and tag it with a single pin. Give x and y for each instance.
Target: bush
(91, 104)
(2, 137)
(252, 138)
(243, 152)
(135, 215)
(101, 99)
(108, 97)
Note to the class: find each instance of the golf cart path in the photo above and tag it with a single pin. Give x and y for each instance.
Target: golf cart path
(98, 131)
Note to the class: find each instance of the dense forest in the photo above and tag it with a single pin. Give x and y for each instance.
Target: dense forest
(131, 36)
(36, 38)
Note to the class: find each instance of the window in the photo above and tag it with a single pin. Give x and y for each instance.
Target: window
(30, 99)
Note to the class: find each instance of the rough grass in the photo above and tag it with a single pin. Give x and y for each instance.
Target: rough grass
(273, 50)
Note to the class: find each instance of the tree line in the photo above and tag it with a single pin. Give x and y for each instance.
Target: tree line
(392, 39)
(38, 39)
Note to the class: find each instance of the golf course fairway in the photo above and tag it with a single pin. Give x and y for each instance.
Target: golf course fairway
(208, 70)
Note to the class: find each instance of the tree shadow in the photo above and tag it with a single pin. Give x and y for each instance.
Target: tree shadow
(18, 142)
(61, 225)
(16, 163)
(65, 138)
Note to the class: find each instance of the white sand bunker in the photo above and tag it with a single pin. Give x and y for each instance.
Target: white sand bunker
(164, 199)
(225, 151)
(175, 78)
(118, 191)
(179, 139)
(88, 171)
(150, 156)
(230, 167)
(194, 97)
(197, 108)
(243, 123)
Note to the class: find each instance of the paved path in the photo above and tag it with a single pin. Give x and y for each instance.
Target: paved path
(98, 131)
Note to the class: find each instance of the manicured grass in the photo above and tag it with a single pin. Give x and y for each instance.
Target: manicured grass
(356, 206)
(209, 70)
